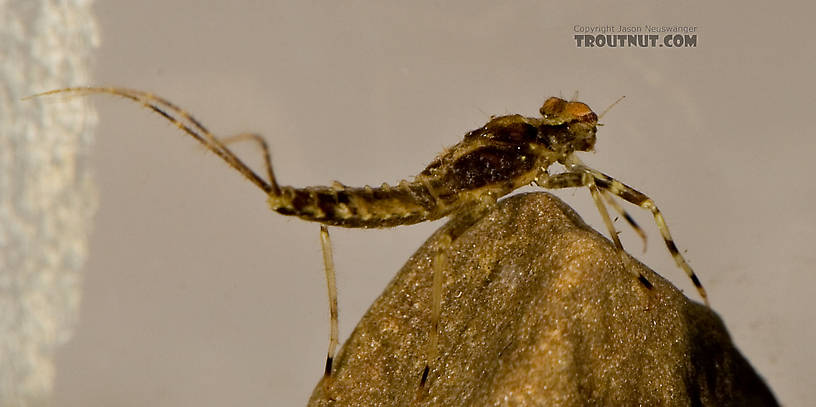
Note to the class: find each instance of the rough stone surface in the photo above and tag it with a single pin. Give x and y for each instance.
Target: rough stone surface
(539, 310)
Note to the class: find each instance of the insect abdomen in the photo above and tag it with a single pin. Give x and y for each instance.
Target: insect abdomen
(386, 206)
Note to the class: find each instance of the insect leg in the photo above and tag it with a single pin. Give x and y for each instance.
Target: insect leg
(633, 196)
(584, 179)
(596, 197)
(328, 263)
(440, 263)
(611, 201)
(459, 223)
(572, 180)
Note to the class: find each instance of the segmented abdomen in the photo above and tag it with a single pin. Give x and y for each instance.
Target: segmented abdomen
(367, 207)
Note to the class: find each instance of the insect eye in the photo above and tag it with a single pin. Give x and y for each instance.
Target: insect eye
(580, 111)
(552, 107)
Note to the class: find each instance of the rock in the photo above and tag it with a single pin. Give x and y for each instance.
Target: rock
(538, 309)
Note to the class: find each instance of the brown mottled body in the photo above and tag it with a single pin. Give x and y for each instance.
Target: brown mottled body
(477, 169)
(506, 153)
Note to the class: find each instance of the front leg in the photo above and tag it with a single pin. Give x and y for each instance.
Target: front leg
(585, 179)
(581, 175)
(634, 196)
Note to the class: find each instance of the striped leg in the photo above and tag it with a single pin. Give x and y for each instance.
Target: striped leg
(633, 196)
(585, 179)
(574, 181)
(328, 263)
(611, 201)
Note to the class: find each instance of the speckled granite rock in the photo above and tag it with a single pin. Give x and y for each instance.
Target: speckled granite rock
(539, 310)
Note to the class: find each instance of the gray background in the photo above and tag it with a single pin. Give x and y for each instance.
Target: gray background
(196, 294)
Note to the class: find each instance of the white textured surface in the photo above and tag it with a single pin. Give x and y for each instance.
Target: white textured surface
(47, 196)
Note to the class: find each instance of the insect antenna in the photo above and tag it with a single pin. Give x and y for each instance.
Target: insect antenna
(183, 121)
(610, 107)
